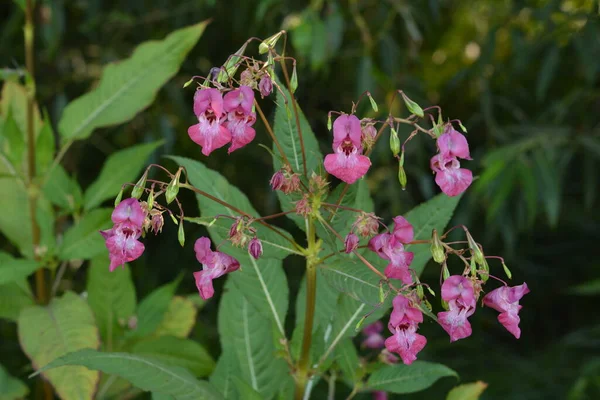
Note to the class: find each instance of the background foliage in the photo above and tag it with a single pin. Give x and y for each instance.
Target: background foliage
(522, 75)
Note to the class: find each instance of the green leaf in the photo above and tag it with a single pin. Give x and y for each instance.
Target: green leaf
(14, 102)
(143, 372)
(129, 86)
(11, 388)
(467, 391)
(44, 147)
(274, 246)
(286, 132)
(46, 333)
(14, 297)
(347, 359)
(111, 295)
(177, 352)
(13, 144)
(226, 369)
(62, 190)
(408, 378)
(591, 288)
(153, 308)
(179, 319)
(120, 168)
(250, 336)
(245, 391)
(83, 240)
(16, 269)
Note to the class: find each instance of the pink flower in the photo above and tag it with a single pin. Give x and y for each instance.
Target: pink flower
(286, 181)
(380, 395)
(453, 143)
(506, 300)
(240, 118)
(459, 293)
(214, 265)
(209, 133)
(372, 334)
(390, 246)
(265, 86)
(350, 243)
(347, 162)
(121, 240)
(403, 324)
(403, 230)
(255, 248)
(452, 179)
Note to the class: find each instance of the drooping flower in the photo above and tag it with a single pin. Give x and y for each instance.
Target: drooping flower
(209, 132)
(265, 86)
(214, 265)
(505, 299)
(459, 293)
(347, 162)
(285, 180)
(350, 243)
(122, 239)
(255, 248)
(373, 337)
(240, 118)
(453, 143)
(452, 179)
(404, 322)
(390, 246)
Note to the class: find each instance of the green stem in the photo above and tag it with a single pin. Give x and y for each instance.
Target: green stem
(311, 294)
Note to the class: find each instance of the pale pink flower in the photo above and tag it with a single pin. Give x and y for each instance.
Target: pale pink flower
(240, 118)
(453, 143)
(214, 265)
(452, 179)
(209, 132)
(505, 299)
(459, 293)
(404, 322)
(347, 162)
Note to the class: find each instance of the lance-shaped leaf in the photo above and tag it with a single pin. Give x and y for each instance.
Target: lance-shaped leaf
(14, 297)
(412, 378)
(143, 372)
(129, 86)
(179, 319)
(83, 241)
(11, 388)
(46, 333)
(152, 309)
(226, 369)
(12, 269)
(347, 359)
(467, 391)
(62, 190)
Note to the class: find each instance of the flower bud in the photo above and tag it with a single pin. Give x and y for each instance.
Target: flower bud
(437, 249)
(150, 199)
(462, 127)
(445, 271)
(172, 189)
(402, 177)
(277, 180)
(329, 121)
(373, 104)
(475, 250)
(506, 270)
(420, 293)
(413, 107)
(381, 293)
(438, 128)
(303, 207)
(360, 323)
(265, 85)
(394, 142)
(119, 197)
(138, 189)
(157, 222)
(181, 234)
(350, 243)
(188, 83)
(294, 80)
(255, 248)
(269, 42)
(173, 219)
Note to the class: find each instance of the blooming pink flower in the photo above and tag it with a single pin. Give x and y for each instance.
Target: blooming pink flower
(452, 179)
(506, 300)
(265, 86)
(403, 230)
(240, 118)
(390, 246)
(122, 239)
(459, 293)
(214, 265)
(453, 143)
(403, 324)
(350, 243)
(255, 248)
(209, 132)
(347, 162)
(372, 334)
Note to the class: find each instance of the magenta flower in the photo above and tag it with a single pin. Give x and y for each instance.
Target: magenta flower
(347, 162)
(390, 246)
(506, 300)
(209, 132)
(403, 230)
(459, 293)
(404, 322)
(372, 334)
(380, 395)
(452, 179)
(255, 248)
(350, 243)
(265, 86)
(453, 143)
(240, 118)
(214, 265)
(122, 239)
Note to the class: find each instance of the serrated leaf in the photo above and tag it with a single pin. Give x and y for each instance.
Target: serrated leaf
(412, 378)
(152, 309)
(111, 295)
(250, 335)
(83, 240)
(12, 269)
(467, 391)
(11, 388)
(62, 190)
(179, 319)
(46, 333)
(226, 369)
(129, 86)
(14, 297)
(177, 352)
(120, 168)
(143, 372)
(212, 182)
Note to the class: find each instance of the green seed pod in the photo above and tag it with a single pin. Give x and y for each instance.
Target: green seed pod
(119, 197)
(394, 142)
(181, 234)
(139, 187)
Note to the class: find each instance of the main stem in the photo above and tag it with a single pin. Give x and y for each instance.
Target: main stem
(311, 294)
(40, 284)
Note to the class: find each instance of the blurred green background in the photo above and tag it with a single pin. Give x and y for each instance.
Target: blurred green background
(523, 76)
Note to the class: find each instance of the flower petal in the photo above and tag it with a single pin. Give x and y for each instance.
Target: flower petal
(347, 168)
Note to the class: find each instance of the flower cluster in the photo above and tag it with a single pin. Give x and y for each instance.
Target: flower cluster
(223, 119)
(390, 246)
(122, 239)
(347, 162)
(214, 265)
(452, 179)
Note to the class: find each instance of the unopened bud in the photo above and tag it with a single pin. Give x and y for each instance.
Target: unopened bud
(329, 121)
(413, 107)
(402, 177)
(360, 323)
(373, 104)
(174, 219)
(462, 127)
(265, 86)
(181, 234)
(277, 180)
(188, 83)
(437, 248)
(119, 197)
(430, 290)
(139, 187)
(507, 271)
(438, 128)
(381, 294)
(255, 248)
(269, 42)
(484, 271)
(475, 250)
(445, 271)
(172, 189)
(150, 199)
(350, 243)
(157, 222)
(394, 142)
(420, 293)
(294, 80)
